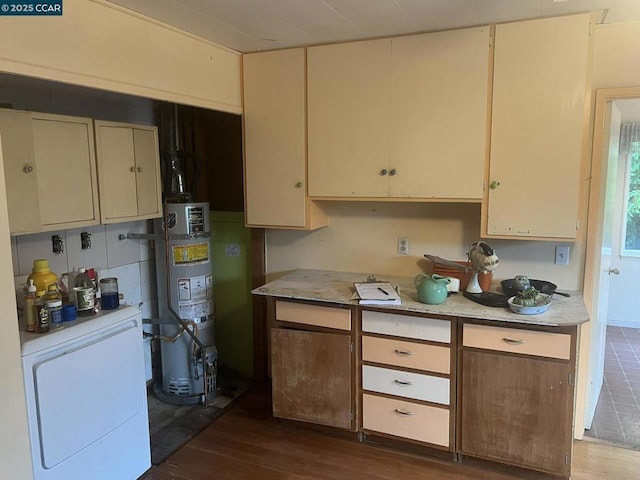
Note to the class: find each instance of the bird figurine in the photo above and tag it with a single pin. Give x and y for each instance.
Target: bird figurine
(483, 259)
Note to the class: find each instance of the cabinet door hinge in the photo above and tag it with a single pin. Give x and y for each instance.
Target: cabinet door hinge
(484, 185)
(567, 459)
(351, 347)
(351, 416)
(570, 378)
(577, 224)
(490, 41)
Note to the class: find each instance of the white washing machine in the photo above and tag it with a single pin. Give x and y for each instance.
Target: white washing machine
(86, 398)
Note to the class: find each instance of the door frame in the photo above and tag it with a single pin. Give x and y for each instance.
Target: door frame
(594, 236)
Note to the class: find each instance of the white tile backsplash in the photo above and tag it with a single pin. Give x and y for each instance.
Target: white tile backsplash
(146, 250)
(123, 252)
(40, 245)
(94, 257)
(124, 259)
(129, 282)
(147, 274)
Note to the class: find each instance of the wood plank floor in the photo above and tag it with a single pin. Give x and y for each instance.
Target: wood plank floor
(247, 443)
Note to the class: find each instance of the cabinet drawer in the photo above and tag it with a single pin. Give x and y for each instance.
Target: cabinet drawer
(406, 384)
(401, 353)
(405, 419)
(330, 317)
(528, 342)
(406, 326)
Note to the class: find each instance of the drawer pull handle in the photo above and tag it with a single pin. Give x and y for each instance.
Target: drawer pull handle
(402, 352)
(404, 383)
(513, 341)
(402, 411)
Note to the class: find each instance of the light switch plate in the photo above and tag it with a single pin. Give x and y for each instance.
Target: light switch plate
(562, 255)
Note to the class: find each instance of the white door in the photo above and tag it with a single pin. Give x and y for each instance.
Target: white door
(604, 235)
(623, 311)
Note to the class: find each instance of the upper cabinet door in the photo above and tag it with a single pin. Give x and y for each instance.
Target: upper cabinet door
(274, 138)
(149, 192)
(50, 173)
(440, 85)
(65, 160)
(349, 97)
(16, 148)
(129, 172)
(538, 127)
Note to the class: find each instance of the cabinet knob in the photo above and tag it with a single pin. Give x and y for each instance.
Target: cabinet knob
(614, 271)
(132, 169)
(494, 184)
(139, 169)
(383, 172)
(298, 185)
(392, 172)
(27, 169)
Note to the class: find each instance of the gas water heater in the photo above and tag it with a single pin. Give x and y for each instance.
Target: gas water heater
(185, 291)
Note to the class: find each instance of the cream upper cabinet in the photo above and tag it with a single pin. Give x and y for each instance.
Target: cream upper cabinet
(402, 118)
(129, 171)
(349, 87)
(275, 170)
(50, 172)
(439, 97)
(540, 111)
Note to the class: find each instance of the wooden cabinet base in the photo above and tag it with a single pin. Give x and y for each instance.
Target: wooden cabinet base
(516, 410)
(311, 377)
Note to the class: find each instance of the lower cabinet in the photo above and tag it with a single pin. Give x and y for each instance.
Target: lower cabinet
(408, 391)
(516, 397)
(475, 388)
(312, 366)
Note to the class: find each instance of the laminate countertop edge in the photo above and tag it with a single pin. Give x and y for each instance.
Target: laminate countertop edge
(337, 287)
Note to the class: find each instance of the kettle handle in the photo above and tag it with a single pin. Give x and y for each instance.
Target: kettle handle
(418, 280)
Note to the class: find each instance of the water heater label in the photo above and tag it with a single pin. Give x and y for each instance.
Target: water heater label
(195, 296)
(195, 217)
(190, 254)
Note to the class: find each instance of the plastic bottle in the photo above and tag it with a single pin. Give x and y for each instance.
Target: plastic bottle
(42, 314)
(41, 274)
(84, 294)
(30, 314)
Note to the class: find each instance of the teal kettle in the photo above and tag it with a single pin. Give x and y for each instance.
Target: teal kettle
(431, 289)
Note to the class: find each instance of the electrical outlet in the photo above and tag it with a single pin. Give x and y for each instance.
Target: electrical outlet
(562, 255)
(403, 245)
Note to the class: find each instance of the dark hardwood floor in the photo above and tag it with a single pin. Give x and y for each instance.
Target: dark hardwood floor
(246, 442)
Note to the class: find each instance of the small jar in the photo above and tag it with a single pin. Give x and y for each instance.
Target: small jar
(54, 307)
(109, 296)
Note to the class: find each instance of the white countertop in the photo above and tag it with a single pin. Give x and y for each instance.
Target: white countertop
(337, 287)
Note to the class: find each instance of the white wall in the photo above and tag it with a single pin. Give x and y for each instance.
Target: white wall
(15, 458)
(362, 237)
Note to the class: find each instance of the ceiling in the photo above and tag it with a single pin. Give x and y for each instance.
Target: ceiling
(252, 25)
